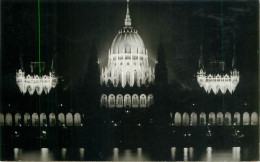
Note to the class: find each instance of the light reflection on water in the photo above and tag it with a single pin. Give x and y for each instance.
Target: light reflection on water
(209, 154)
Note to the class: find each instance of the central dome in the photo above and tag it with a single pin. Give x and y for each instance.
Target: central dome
(128, 41)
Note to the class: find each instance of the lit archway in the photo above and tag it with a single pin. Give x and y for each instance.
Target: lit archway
(212, 118)
(228, 119)
(61, 119)
(8, 119)
(236, 118)
(69, 119)
(193, 119)
(43, 120)
(35, 119)
(127, 101)
(111, 101)
(203, 120)
(2, 119)
(219, 118)
(52, 119)
(103, 100)
(77, 119)
(119, 101)
(18, 119)
(185, 119)
(246, 118)
(254, 118)
(177, 119)
(135, 101)
(142, 101)
(150, 100)
(27, 119)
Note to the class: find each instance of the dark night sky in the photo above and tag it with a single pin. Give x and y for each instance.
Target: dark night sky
(183, 25)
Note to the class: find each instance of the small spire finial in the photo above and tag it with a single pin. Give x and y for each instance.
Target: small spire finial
(201, 65)
(234, 58)
(127, 17)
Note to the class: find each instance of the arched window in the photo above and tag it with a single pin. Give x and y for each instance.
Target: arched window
(246, 118)
(177, 119)
(77, 119)
(35, 119)
(2, 119)
(52, 119)
(18, 119)
(219, 118)
(185, 119)
(127, 78)
(193, 119)
(69, 119)
(119, 101)
(135, 76)
(212, 118)
(111, 101)
(254, 118)
(203, 120)
(61, 119)
(142, 101)
(236, 118)
(27, 119)
(150, 100)
(135, 101)
(43, 120)
(103, 100)
(8, 119)
(127, 101)
(228, 118)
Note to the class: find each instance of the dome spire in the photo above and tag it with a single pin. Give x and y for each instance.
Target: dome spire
(127, 17)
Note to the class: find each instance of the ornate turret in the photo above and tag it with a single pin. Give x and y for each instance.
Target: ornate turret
(217, 78)
(127, 17)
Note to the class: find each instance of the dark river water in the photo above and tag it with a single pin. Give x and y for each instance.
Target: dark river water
(138, 154)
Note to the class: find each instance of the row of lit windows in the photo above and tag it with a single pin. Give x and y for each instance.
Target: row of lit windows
(128, 58)
(209, 80)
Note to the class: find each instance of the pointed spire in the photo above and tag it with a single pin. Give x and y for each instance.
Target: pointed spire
(201, 65)
(53, 58)
(127, 17)
(234, 57)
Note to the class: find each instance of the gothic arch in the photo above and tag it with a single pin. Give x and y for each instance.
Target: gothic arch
(185, 119)
(228, 118)
(119, 101)
(236, 118)
(18, 119)
(77, 119)
(35, 119)
(219, 118)
(246, 118)
(127, 101)
(142, 101)
(52, 120)
(177, 119)
(8, 119)
(127, 77)
(135, 101)
(111, 101)
(61, 119)
(135, 76)
(150, 100)
(43, 120)
(26, 119)
(103, 100)
(212, 118)
(254, 118)
(69, 119)
(203, 120)
(2, 119)
(193, 119)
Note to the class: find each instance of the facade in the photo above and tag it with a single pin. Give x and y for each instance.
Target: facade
(35, 82)
(217, 78)
(128, 68)
(127, 58)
